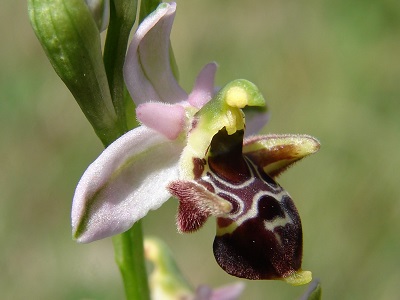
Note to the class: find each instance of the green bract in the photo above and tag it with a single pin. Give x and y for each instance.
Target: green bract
(71, 40)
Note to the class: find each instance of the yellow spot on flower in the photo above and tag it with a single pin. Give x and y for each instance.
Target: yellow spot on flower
(237, 97)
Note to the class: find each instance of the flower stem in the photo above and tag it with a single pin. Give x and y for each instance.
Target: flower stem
(122, 19)
(129, 255)
(147, 7)
(128, 246)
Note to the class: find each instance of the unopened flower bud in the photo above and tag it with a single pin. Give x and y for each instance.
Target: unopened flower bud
(71, 40)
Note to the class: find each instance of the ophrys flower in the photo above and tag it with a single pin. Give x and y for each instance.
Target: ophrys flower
(191, 146)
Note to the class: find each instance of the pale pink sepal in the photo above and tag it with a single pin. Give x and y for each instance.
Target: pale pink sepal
(147, 69)
(126, 181)
(167, 119)
(203, 89)
(228, 292)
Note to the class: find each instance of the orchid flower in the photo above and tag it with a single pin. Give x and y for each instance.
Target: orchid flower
(118, 188)
(192, 146)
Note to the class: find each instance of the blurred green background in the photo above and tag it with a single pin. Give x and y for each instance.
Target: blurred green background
(327, 68)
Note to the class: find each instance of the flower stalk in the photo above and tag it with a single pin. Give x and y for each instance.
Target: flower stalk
(128, 246)
(147, 7)
(129, 255)
(122, 19)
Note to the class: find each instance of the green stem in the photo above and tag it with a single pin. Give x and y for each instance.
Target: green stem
(147, 7)
(128, 246)
(129, 255)
(122, 19)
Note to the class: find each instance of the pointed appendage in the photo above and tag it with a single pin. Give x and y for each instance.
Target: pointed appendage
(275, 153)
